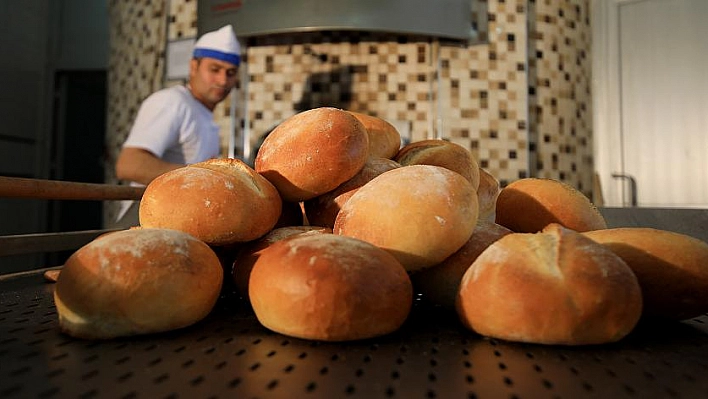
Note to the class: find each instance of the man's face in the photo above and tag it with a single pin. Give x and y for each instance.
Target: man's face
(211, 80)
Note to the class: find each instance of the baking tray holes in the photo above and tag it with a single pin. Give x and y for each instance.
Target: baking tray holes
(220, 365)
(150, 347)
(587, 386)
(272, 385)
(469, 379)
(433, 362)
(122, 360)
(29, 355)
(629, 389)
(285, 343)
(256, 342)
(432, 377)
(60, 356)
(289, 368)
(8, 341)
(390, 392)
(467, 364)
(472, 395)
(367, 358)
(574, 370)
(10, 390)
(89, 375)
(671, 393)
(497, 353)
(547, 384)
(209, 351)
(154, 362)
(35, 342)
(431, 394)
(649, 376)
(197, 381)
(334, 357)
(689, 377)
(508, 382)
(240, 352)
(312, 386)
(161, 378)
(180, 349)
(188, 363)
(55, 373)
(610, 373)
(271, 354)
(234, 383)
(125, 377)
(538, 368)
(255, 366)
(400, 360)
(324, 370)
(358, 373)
(131, 395)
(302, 355)
(501, 366)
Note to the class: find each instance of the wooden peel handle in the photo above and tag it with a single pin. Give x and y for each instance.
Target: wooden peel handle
(17, 187)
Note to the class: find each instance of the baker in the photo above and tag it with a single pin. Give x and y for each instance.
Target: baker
(175, 126)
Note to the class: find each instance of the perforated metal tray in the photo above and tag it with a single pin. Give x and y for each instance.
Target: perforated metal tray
(230, 355)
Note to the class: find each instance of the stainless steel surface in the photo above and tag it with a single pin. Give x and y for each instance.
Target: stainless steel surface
(230, 354)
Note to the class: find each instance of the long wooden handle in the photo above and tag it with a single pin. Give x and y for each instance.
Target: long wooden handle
(17, 187)
(47, 242)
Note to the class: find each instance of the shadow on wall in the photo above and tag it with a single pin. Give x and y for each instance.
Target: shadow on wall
(322, 89)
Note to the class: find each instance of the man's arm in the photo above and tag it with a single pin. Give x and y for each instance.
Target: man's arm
(141, 166)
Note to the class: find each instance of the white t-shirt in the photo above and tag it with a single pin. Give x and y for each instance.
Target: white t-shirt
(175, 127)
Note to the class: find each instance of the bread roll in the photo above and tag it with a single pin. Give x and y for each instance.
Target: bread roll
(330, 288)
(421, 214)
(441, 153)
(528, 205)
(439, 284)
(249, 253)
(313, 152)
(672, 268)
(487, 193)
(553, 287)
(322, 210)
(384, 139)
(137, 281)
(220, 201)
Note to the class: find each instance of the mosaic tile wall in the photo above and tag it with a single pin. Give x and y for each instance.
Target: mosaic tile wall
(560, 99)
(517, 96)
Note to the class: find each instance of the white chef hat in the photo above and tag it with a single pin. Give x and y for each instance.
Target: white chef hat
(220, 44)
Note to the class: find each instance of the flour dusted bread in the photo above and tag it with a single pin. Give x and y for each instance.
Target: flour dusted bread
(672, 268)
(439, 284)
(137, 281)
(384, 139)
(441, 153)
(313, 152)
(249, 252)
(219, 201)
(330, 288)
(323, 210)
(528, 205)
(551, 287)
(421, 214)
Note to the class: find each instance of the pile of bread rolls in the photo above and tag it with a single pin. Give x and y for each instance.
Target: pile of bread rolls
(336, 228)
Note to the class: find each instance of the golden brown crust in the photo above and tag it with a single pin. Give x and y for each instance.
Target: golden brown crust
(528, 205)
(220, 201)
(441, 153)
(439, 284)
(420, 213)
(323, 210)
(552, 287)
(137, 282)
(313, 152)
(384, 139)
(249, 253)
(328, 287)
(672, 268)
